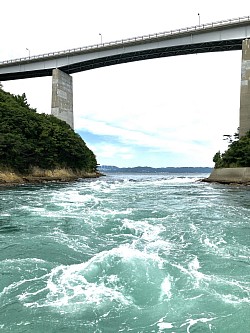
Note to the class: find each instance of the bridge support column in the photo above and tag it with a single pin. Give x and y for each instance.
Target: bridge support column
(245, 89)
(62, 96)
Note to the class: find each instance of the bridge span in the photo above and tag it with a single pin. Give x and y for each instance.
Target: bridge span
(226, 35)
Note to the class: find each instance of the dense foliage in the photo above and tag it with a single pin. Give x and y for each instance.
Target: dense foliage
(29, 139)
(237, 154)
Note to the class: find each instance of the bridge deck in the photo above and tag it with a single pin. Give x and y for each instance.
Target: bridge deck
(219, 36)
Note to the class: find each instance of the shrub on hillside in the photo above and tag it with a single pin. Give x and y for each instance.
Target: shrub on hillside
(29, 139)
(237, 154)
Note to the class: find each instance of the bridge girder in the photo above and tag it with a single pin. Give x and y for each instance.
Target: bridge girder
(219, 46)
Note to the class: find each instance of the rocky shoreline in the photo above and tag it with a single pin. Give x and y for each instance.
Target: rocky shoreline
(38, 176)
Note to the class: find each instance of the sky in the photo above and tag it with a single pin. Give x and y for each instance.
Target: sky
(167, 112)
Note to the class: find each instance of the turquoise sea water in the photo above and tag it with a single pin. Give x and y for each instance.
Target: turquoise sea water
(125, 253)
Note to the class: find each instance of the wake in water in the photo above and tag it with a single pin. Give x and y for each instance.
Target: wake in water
(125, 254)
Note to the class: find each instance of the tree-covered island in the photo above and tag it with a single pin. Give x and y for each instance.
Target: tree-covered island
(233, 166)
(39, 147)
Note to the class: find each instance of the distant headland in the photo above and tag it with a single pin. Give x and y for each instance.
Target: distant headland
(146, 169)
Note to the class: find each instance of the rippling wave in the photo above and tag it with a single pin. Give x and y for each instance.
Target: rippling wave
(125, 253)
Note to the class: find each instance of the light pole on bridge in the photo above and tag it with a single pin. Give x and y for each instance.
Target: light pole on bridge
(199, 19)
(28, 51)
(101, 37)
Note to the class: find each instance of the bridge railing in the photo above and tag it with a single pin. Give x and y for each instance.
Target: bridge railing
(143, 38)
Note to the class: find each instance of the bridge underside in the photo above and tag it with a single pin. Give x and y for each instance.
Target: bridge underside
(245, 76)
(219, 46)
(62, 107)
(156, 53)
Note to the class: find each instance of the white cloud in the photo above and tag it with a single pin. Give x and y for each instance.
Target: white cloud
(114, 151)
(177, 105)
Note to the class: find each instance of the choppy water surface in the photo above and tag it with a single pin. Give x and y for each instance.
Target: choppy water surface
(125, 253)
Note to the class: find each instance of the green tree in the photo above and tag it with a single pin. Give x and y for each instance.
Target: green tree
(29, 139)
(237, 154)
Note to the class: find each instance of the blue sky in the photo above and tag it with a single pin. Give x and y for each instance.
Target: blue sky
(121, 153)
(162, 112)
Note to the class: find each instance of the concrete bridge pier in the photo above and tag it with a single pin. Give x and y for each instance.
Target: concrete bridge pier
(62, 96)
(245, 89)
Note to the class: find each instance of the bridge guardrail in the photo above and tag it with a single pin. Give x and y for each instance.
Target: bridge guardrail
(148, 37)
